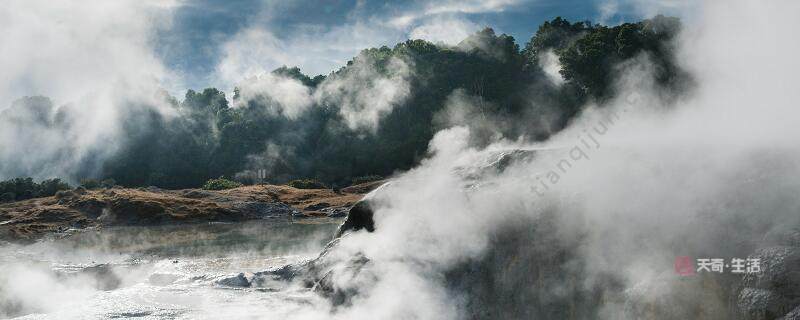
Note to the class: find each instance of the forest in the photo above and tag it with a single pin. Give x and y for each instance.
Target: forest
(371, 118)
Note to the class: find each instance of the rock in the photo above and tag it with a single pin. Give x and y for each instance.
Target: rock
(196, 194)
(360, 216)
(793, 315)
(783, 237)
(780, 271)
(761, 304)
(299, 215)
(239, 280)
(317, 206)
(335, 212)
(775, 291)
(63, 194)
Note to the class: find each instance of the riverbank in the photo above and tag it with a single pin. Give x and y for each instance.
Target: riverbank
(32, 219)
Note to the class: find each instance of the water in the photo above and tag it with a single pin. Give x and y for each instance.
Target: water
(165, 272)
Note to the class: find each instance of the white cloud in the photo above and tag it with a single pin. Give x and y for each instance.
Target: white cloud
(257, 49)
(448, 30)
(645, 9)
(470, 6)
(67, 49)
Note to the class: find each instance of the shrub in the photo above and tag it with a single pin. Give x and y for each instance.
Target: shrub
(307, 184)
(51, 187)
(25, 188)
(90, 184)
(108, 183)
(221, 184)
(8, 197)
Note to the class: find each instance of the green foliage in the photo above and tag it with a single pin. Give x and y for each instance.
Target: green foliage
(208, 138)
(221, 184)
(307, 184)
(90, 184)
(8, 197)
(588, 54)
(25, 188)
(295, 73)
(108, 183)
(552, 35)
(49, 187)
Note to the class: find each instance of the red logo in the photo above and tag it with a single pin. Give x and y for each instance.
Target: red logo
(684, 265)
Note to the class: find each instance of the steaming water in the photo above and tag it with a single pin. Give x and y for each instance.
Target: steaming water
(166, 272)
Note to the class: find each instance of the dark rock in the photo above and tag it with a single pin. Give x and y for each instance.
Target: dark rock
(780, 271)
(196, 194)
(359, 217)
(240, 280)
(317, 206)
(299, 215)
(761, 304)
(793, 315)
(775, 291)
(336, 212)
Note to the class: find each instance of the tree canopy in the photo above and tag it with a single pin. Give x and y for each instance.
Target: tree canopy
(418, 86)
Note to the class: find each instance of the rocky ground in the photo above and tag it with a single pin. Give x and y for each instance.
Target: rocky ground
(77, 209)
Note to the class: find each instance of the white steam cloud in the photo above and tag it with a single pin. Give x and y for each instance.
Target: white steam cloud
(638, 180)
(286, 96)
(643, 181)
(94, 59)
(548, 60)
(364, 94)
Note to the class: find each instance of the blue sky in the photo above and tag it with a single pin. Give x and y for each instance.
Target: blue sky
(73, 49)
(211, 42)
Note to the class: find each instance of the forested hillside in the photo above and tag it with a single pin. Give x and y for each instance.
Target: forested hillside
(373, 116)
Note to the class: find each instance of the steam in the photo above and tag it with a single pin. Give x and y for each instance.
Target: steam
(548, 60)
(706, 175)
(663, 180)
(364, 94)
(286, 96)
(96, 62)
(121, 272)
